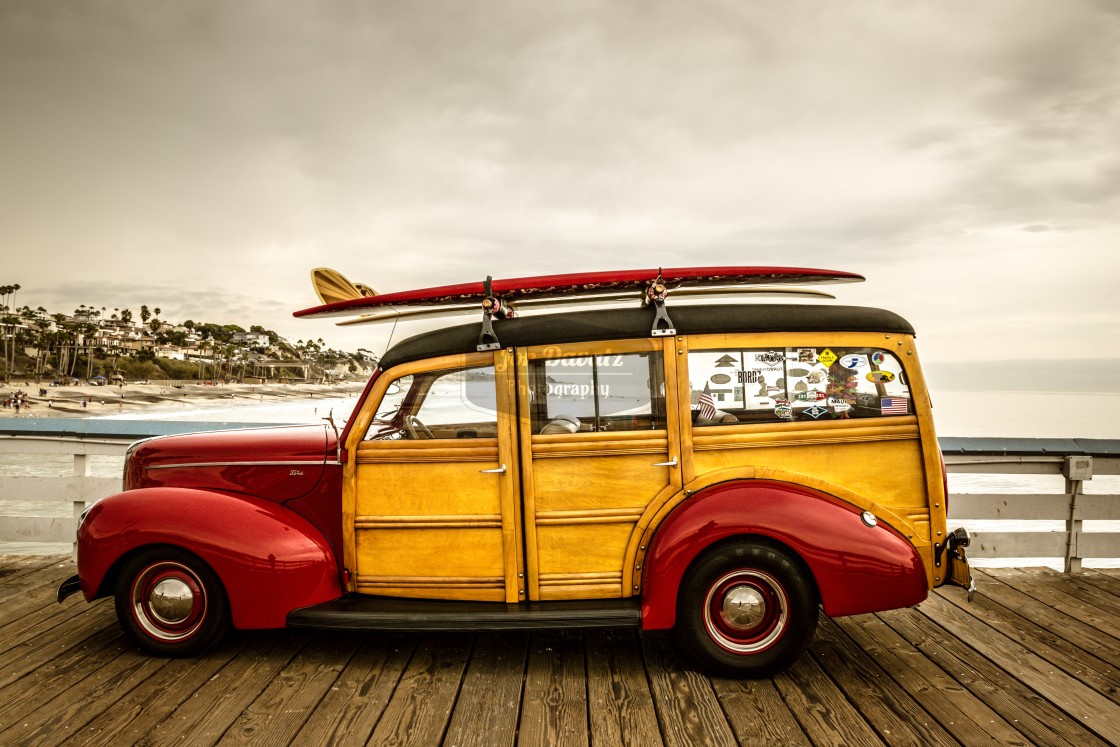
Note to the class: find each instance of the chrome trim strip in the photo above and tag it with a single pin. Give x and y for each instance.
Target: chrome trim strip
(183, 465)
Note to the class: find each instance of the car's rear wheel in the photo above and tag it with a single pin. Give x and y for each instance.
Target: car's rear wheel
(746, 609)
(170, 602)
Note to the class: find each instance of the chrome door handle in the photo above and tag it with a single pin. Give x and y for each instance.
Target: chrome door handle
(671, 463)
(499, 471)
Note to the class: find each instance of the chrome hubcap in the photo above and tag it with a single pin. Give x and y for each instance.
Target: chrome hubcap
(746, 611)
(171, 601)
(168, 601)
(743, 607)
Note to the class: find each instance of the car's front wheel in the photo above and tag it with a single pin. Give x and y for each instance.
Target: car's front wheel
(170, 602)
(746, 609)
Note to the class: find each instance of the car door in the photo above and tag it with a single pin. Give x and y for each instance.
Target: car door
(432, 509)
(597, 448)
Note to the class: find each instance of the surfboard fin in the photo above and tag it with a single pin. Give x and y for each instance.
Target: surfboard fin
(331, 286)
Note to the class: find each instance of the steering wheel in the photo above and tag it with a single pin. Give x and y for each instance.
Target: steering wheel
(416, 429)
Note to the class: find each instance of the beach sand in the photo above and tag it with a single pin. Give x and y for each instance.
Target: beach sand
(66, 401)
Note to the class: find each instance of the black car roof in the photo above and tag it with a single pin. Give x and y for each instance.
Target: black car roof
(615, 324)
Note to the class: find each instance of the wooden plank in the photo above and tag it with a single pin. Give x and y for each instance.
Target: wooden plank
(38, 529)
(1079, 606)
(352, 708)
(98, 688)
(1034, 506)
(51, 641)
(1101, 579)
(17, 566)
(619, 700)
(1037, 719)
(997, 506)
(58, 489)
(821, 707)
(280, 711)
(969, 718)
(757, 714)
(1013, 623)
(686, 704)
(1051, 621)
(1085, 706)
(134, 716)
(214, 707)
(896, 717)
(21, 695)
(421, 705)
(1018, 545)
(491, 692)
(554, 706)
(23, 594)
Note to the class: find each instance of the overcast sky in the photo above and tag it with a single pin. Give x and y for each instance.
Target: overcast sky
(204, 156)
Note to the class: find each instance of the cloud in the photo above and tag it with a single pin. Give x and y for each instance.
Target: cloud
(211, 153)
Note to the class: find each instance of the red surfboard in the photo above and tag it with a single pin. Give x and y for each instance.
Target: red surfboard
(575, 287)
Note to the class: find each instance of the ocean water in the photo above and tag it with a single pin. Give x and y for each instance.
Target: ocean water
(956, 413)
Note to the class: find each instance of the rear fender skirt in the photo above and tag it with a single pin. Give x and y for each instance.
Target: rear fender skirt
(856, 568)
(270, 559)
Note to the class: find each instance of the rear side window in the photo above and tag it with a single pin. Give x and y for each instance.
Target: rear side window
(796, 384)
(623, 392)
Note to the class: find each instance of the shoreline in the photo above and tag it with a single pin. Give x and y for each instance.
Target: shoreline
(67, 401)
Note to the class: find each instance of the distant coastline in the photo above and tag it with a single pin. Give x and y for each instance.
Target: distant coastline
(67, 401)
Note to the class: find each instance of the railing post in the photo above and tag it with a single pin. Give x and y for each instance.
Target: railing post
(1076, 470)
(81, 469)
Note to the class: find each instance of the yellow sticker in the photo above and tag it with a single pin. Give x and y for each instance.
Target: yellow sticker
(880, 377)
(827, 357)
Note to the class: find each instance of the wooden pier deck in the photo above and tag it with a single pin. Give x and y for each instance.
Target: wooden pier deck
(1035, 659)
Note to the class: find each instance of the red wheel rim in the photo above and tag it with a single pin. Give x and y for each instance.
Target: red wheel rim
(168, 601)
(746, 611)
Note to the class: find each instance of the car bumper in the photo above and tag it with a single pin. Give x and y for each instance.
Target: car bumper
(955, 561)
(70, 586)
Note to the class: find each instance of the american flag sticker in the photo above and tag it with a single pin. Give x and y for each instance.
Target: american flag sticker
(895, 406)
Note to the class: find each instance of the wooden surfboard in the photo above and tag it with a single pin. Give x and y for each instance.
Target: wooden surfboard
(545, 290)
(332, 287)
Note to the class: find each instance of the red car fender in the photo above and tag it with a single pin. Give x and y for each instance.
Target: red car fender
(856, 568)
(270, 559)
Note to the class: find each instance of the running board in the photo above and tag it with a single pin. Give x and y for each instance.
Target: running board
(361, 612)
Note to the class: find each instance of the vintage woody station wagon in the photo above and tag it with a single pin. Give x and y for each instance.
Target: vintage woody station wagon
(727, 477)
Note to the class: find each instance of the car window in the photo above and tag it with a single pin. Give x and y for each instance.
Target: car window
(449, 403)
(785, 384)
(597, 393)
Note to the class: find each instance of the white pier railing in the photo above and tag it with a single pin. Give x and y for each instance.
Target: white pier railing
(65, 495)
(1076, 461)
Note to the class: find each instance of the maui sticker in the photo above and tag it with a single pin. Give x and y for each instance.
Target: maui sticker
(840, 406)
(880, 377)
